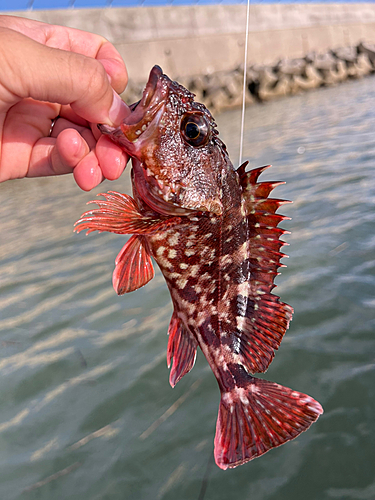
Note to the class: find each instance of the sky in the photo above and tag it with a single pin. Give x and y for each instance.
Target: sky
(7, 5)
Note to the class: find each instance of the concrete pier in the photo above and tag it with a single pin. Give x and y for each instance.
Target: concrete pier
(203, 39)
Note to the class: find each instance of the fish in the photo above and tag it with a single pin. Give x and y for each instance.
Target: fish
(214, 232)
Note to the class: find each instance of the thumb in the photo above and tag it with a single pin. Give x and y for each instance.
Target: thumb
(31, 69)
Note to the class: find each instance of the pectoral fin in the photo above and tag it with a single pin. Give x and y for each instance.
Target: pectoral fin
(119, 213)
(133, 266)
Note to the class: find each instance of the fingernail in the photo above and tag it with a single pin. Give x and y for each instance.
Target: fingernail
(118, 111)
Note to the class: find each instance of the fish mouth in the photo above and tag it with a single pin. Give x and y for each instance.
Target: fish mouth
(164, 196)
(140, 124)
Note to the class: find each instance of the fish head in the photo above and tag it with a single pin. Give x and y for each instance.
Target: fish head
(178, 160)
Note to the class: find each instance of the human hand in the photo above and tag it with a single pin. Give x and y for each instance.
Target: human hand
(51, 71)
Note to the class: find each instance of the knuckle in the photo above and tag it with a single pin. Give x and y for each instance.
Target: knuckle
(96, 77)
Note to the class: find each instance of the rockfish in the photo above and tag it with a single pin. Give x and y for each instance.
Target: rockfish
(213, 231)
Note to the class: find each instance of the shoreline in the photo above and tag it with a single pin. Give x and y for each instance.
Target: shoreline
(223, 89)
(205, 39)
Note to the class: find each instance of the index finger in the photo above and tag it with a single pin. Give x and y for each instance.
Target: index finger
(73, 40)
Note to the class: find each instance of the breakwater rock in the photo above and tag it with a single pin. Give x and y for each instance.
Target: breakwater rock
(221, 90)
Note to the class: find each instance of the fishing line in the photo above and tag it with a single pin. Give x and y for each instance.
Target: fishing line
(244, 81)
(204, 485)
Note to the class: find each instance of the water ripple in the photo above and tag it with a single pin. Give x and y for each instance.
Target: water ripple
(83, 372)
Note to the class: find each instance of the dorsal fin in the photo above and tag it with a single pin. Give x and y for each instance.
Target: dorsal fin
(241, 169)
(266, 319)
(250, 176)
(264, 235)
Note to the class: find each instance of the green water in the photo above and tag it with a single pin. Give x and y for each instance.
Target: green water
(86, 410)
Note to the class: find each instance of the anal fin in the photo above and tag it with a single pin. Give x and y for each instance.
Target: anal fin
(133, 266)
(182, 347)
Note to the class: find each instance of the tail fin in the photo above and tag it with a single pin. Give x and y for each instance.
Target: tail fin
(258, 417)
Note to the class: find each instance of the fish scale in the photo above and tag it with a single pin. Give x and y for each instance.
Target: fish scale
(213, 231)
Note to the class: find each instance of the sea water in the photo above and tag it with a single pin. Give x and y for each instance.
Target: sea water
(86, 410)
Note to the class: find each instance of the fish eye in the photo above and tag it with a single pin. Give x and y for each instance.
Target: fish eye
(195, 129)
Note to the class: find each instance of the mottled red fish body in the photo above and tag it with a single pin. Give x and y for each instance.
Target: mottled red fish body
(213, 231)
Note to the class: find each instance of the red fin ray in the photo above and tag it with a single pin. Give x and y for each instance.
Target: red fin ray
(275, 232)
(258, 417)
(266, 220)
(241, 169)
(264, 240)
(260, 288)
(260, 333)
(263, 189)
(263, 322)
(269, 241)
(270, 258)
(262, 205)
(251, 176)
(260, 354)
(182, 347)
(118, 213)
(272, 307)
(266, 277)
(134, 267)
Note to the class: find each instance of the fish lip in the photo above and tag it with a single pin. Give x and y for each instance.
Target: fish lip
(152, 95)
(155, 74)
(139, 125)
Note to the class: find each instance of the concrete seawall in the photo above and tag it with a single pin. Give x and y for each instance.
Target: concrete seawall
(203, 39)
